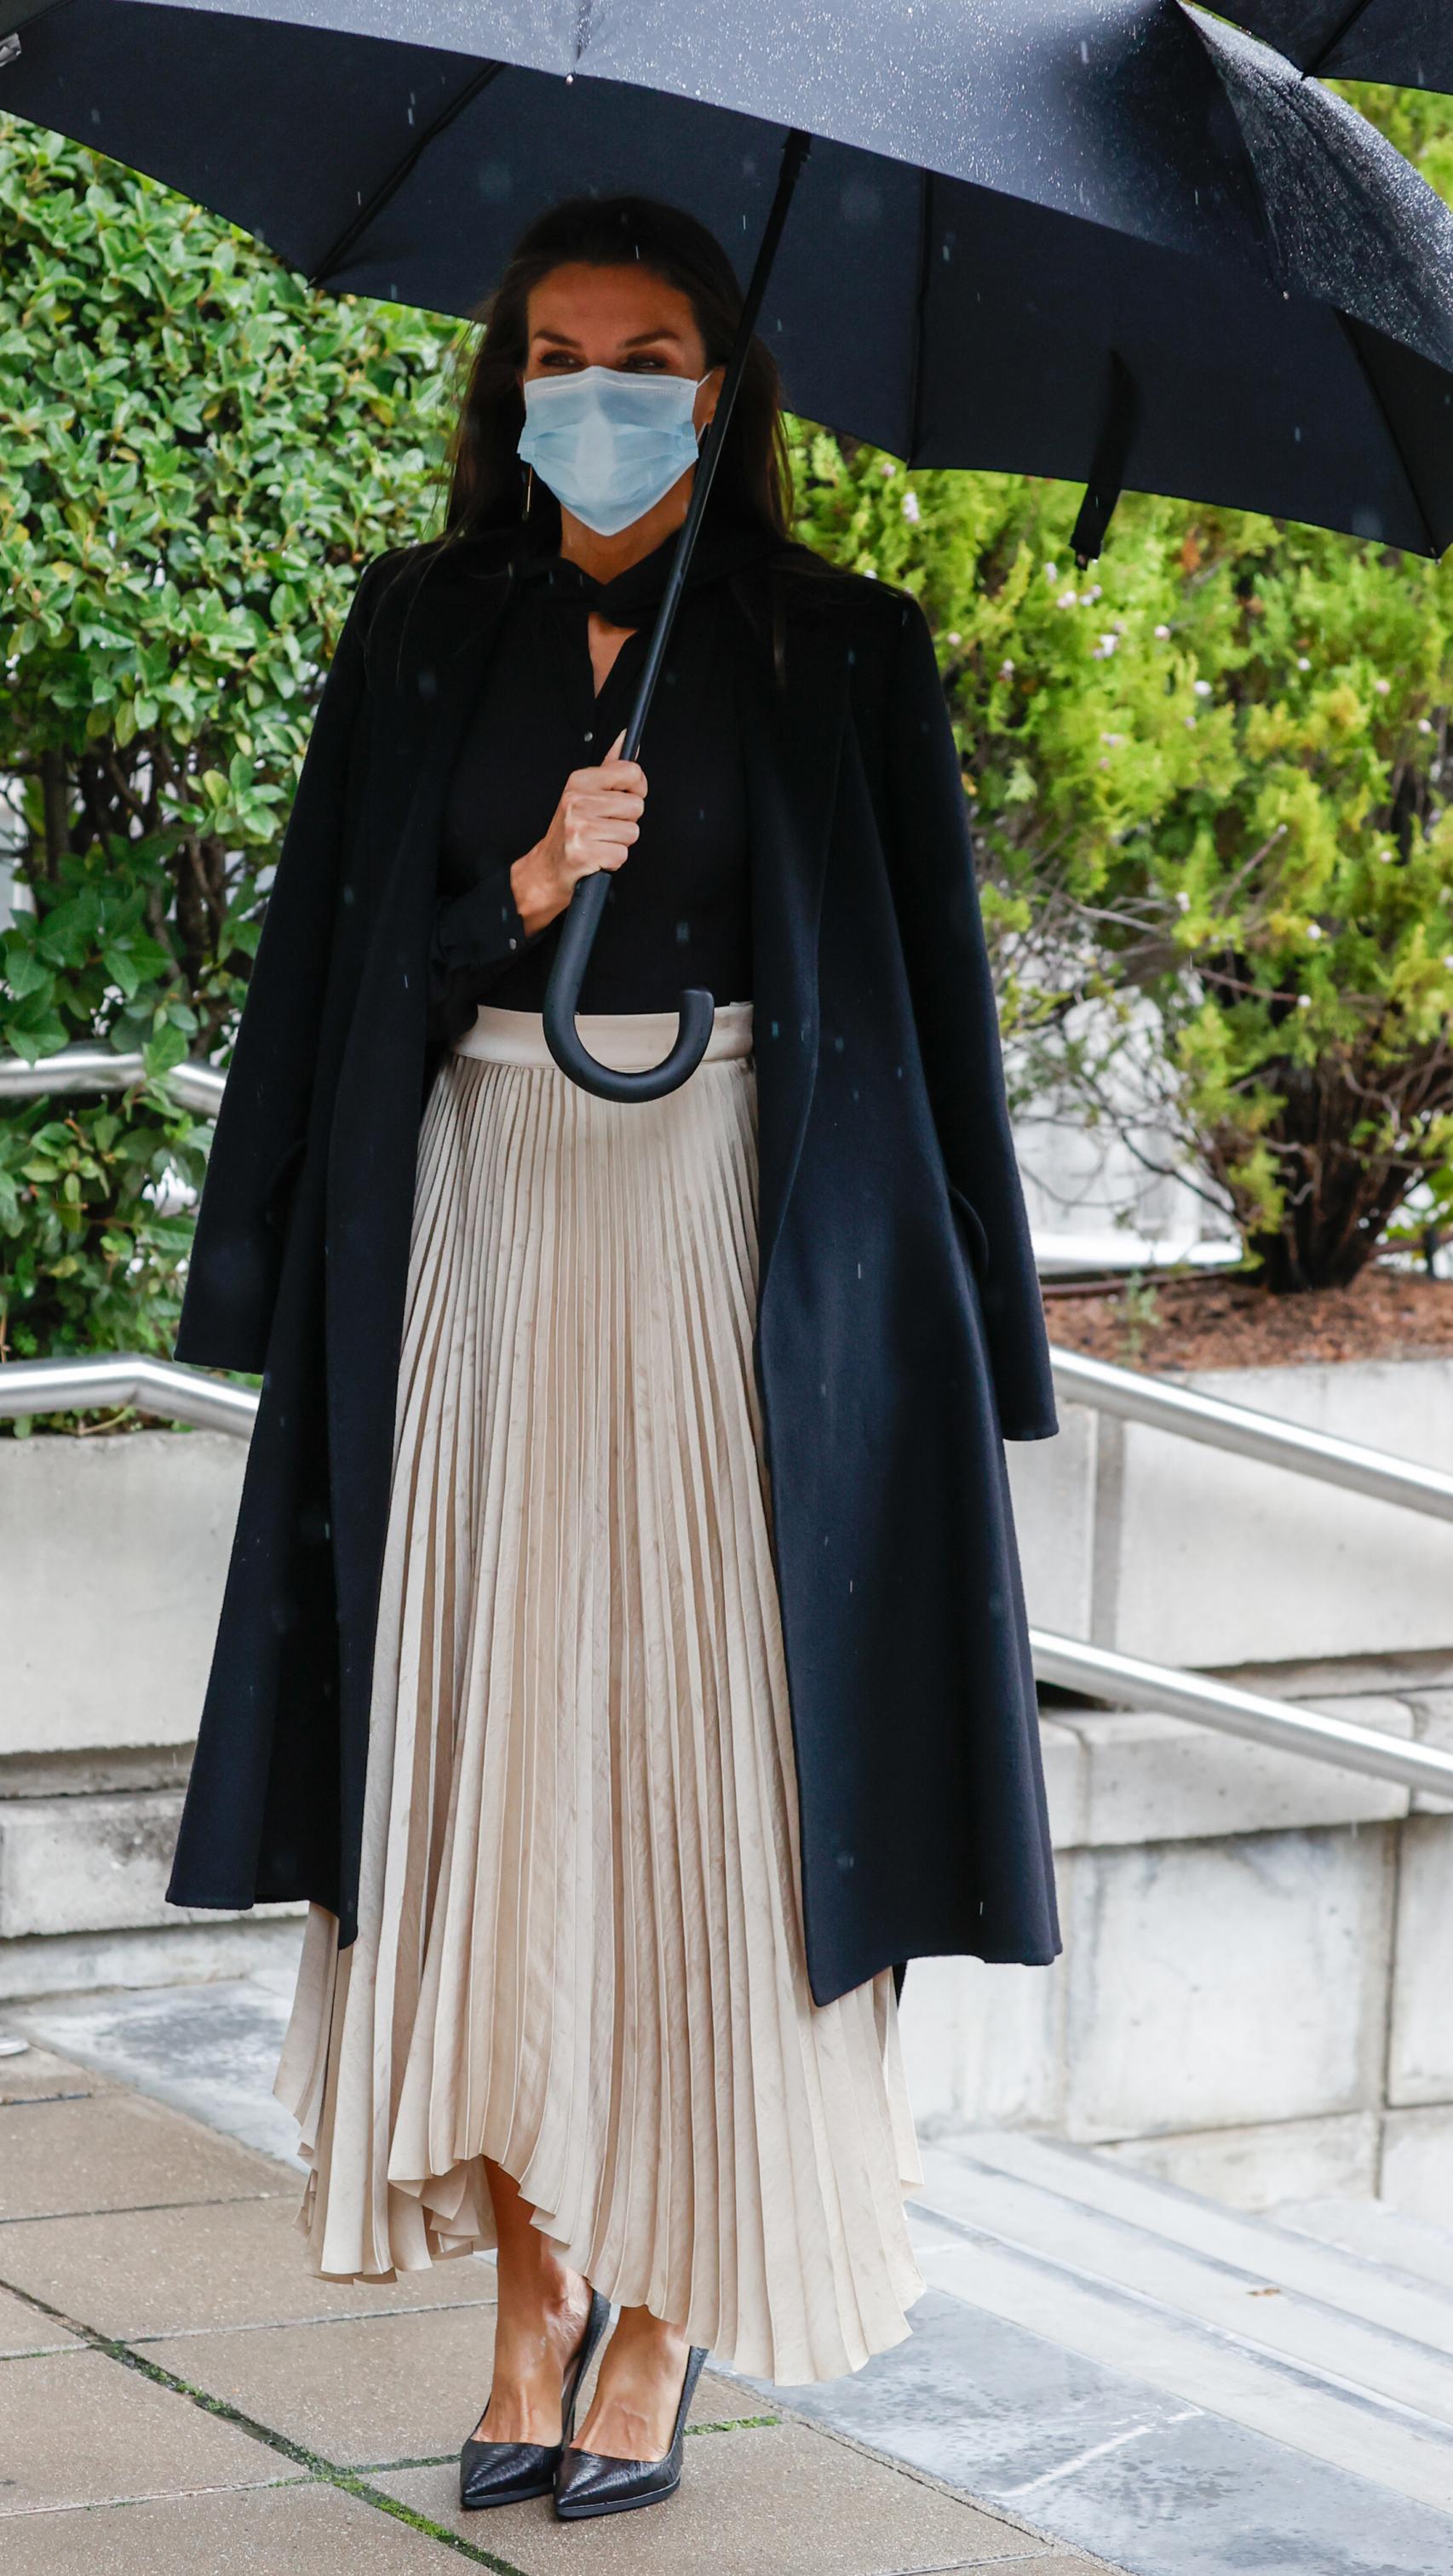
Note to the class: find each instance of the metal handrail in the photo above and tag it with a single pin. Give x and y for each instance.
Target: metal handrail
(180, 1394)
(95, 1067)
(1103, 1674)
(88, 1381)
(1123, 1393)
(167, 1389)
(1237, 1427)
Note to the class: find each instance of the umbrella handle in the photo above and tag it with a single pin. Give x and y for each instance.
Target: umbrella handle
(582, 916)
(698, 1012)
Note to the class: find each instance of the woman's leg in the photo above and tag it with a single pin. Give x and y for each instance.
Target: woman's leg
(541, 2317)
(633, 2411)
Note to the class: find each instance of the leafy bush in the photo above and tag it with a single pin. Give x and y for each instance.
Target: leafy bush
(198, 450)
(1207, 780)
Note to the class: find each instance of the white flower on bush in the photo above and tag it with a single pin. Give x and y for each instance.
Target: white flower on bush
(1382, 687)
(1068, 599)
(1202, 688)
(911, 510)
(1162, 634)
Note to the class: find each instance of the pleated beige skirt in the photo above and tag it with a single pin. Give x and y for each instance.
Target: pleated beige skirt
(580, 1947)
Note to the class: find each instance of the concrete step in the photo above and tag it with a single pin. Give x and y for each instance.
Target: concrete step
(1014, 2226)
(1318, 2266)
(1381, 2234)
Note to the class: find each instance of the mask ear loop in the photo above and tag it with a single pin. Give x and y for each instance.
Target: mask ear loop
(696, 388)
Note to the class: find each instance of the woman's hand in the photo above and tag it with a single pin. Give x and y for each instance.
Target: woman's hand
(595, 822)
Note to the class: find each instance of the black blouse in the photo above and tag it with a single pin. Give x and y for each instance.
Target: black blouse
(678, 911)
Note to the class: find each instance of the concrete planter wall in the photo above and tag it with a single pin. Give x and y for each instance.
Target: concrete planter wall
(1253, 1995)
(113, 1554)
(1258, 1949)
(1141, 1541)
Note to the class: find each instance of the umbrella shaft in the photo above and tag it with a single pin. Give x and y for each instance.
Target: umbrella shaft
(794, 153)
(581, 919)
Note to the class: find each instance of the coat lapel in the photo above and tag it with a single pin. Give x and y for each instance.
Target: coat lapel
(428, 676)
(791, 743)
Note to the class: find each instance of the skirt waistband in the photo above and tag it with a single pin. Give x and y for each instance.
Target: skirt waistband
(630, 1041)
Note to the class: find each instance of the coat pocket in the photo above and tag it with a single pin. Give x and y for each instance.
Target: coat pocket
(971, 1231)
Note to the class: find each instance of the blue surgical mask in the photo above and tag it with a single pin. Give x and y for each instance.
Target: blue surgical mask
(609, 443)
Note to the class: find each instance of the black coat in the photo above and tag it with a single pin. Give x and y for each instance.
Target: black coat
(899, 1338)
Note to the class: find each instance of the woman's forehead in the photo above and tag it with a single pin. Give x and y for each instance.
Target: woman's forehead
(629, 300)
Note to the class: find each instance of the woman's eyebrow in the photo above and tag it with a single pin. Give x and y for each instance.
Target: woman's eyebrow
(640, 340)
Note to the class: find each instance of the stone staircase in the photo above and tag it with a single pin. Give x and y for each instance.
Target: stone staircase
(1179, 2386)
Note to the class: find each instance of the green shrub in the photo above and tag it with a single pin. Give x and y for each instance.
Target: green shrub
(197, 452)
(1207, 780)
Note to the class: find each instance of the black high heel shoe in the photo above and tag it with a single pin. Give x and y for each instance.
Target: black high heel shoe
(512, 2472)
(589, 2482)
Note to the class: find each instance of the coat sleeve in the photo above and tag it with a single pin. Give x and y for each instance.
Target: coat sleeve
(931, 864)
(477, 934)
(236, 1255)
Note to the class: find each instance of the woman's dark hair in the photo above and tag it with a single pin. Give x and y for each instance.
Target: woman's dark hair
(487, 482)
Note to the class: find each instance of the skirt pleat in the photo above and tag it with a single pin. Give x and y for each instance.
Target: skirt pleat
(580, 1949)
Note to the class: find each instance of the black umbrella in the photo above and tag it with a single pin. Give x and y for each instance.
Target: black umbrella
(1408, 41)
(1065, 237)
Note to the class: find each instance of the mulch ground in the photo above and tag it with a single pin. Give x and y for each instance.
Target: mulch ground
(1208, 1322)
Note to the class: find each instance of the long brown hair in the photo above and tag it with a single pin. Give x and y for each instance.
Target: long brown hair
(487, 482)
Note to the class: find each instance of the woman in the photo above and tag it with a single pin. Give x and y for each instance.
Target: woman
(623, 1647)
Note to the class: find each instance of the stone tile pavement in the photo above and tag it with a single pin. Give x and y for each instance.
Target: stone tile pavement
(179, 2397)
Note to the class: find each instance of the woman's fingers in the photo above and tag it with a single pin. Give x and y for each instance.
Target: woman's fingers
(599, 814)
(615, 777)
(600, 809)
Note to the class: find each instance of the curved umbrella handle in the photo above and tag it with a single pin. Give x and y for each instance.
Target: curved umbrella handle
(562, 993)
(581, 919)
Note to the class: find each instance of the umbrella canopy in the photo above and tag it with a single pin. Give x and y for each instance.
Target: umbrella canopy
(1408, 41)
(1000, 194)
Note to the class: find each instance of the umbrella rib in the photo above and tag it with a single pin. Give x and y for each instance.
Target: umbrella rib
(1340, 32)
(920, 308)
(389, 187)
(1433, 548)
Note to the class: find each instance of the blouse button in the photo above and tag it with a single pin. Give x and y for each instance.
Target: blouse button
(590, 737)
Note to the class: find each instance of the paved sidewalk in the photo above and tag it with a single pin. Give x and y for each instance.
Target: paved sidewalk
(179, 2396)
